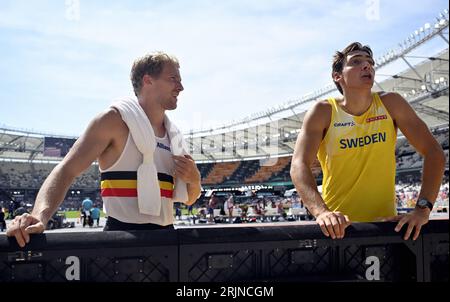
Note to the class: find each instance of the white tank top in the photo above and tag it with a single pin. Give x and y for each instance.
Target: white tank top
(119, 183)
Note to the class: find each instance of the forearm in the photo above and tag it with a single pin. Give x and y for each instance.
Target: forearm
(306, 186)
(51, 194)
(194, 191)
(433, 170)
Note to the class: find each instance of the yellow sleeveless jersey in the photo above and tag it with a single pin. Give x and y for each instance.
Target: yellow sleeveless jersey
(357, 156)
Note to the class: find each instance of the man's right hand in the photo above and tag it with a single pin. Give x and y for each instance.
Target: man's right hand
(24, 225)
(333, 224)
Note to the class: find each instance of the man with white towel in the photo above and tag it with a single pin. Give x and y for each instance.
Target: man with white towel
(142, 157)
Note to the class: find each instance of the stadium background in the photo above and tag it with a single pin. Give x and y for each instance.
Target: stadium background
(251, 157)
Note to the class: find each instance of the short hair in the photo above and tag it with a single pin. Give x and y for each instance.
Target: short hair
(340, 57)
(151, 64)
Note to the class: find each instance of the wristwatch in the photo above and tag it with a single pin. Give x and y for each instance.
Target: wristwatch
(423, 204)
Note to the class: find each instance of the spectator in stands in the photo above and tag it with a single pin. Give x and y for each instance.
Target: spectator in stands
(138, 188)
(177, 210)
(212, 204)
(190, 210)
(354, 139)
(95, 214)
(86, 207)
(229, 204)
(87, 204)
(2, 220)
(280, 208)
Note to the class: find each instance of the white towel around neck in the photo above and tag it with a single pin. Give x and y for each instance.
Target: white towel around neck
(148, 190)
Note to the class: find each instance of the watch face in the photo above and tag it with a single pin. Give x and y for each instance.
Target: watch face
(422, 203)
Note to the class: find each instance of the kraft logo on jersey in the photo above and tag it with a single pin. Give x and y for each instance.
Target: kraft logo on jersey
(345, 124)
(348, 143)
(376, 118)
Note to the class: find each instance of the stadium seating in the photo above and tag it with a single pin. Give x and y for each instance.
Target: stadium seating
(26, 175)
(266, 171)
(220, 172)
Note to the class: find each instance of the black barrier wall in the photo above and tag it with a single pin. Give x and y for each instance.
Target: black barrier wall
(369, 252)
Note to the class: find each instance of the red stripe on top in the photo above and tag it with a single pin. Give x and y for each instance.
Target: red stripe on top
(119, 192)
(131, 193)
(166, 193)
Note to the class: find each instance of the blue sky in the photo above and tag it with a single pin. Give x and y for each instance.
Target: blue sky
(64, 61)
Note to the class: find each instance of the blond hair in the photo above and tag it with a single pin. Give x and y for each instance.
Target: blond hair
(151, 64)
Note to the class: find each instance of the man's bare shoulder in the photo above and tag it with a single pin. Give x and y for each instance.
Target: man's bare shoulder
(389, 97)
(323, 105)
(110, 115)
(319, 112)
(393, 101)
(106, 126)
(110, 119)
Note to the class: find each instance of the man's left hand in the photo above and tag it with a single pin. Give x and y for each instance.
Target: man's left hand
(186, 169)
(415, 219)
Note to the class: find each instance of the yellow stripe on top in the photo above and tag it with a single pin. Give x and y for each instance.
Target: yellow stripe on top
(113, 183)
(166, 185)
(357, 157)
(131, 184)
(124, 184)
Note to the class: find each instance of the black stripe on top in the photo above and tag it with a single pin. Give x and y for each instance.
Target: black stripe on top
(119, 175)
(131, 175)
(165, 177)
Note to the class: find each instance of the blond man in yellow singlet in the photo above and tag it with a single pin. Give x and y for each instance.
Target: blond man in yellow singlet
(354, 139)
